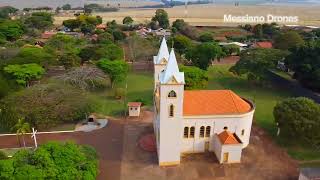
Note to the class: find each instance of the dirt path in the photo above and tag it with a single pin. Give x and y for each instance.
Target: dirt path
(107, 141)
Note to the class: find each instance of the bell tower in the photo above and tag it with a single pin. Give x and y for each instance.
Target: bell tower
(160, 61)
(171, 91)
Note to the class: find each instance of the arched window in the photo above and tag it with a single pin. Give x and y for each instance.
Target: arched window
(208, 129)
(171, 110)
(202, 131)
(186, 132)
(225, 128)
(172, 94)
(192, 132)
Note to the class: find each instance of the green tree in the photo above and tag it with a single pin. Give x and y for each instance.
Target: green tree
(25, 73)
(53, 103)
(5, 11)
(72, 23)
(39, 20)
(53, 160)
(195, 77)
(202, 54)
(66, 7)
(116, 70)
(127, 20)
(298, 118)
(256, 62)
(288, 40)
(108, 51)
(181, 43)
(179, 24)
(105, 38)
(305, 62)
(69, 60)
(231, 49)
(270, 30)
(162, 18)
(29, 55)
(257, 31)
(6, 169)
(21, 128)
(11, 30)
(206, 37)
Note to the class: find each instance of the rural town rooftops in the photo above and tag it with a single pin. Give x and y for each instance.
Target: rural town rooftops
(134, 104)
(227, 137)
(214, 102)
(264, 44)
(48, 34)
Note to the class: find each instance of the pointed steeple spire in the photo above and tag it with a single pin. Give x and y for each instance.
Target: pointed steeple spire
(172, 70)
(163, 51)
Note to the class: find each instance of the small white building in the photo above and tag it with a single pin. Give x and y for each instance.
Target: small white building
(134, 109)
(188, 121)
(227, 147)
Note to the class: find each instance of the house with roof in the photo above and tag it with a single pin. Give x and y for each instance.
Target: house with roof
(263, 44)
(196, 121)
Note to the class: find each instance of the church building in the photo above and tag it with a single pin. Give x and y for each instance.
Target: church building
(195, 121)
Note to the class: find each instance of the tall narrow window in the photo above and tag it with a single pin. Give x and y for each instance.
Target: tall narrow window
(208, 129)
(191, 132)
(171, 111)
(186, 132)
(242, 132)
(201, 132)
(172, 94)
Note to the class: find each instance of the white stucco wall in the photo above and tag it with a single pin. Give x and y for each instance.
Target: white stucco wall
(234, 151)
(303, 177)
(134, 111)
(170, 127)
(157, 69)
(235, 124)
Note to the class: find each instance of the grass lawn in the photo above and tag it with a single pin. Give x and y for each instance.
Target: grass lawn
(140, 87)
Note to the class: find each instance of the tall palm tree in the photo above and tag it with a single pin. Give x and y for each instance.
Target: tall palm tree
(21, 128)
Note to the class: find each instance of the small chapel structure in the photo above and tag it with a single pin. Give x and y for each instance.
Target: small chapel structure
(195, 121)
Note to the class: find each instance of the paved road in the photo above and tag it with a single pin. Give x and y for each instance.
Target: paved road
(107, 141)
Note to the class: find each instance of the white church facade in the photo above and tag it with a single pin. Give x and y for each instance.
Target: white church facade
(194, 121)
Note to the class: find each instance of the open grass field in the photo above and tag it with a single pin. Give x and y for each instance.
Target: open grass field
(140, 87)
(212, 15)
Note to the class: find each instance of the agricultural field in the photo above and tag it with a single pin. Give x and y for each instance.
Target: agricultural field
(213, 15)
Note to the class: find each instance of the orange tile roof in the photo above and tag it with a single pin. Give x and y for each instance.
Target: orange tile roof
(228, 138)
(134, 104)
(213, 102)
(264, 44)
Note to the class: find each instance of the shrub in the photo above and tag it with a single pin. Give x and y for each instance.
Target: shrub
(3, 156)
(299, 118)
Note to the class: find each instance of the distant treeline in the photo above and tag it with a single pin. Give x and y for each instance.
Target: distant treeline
(99, 8)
